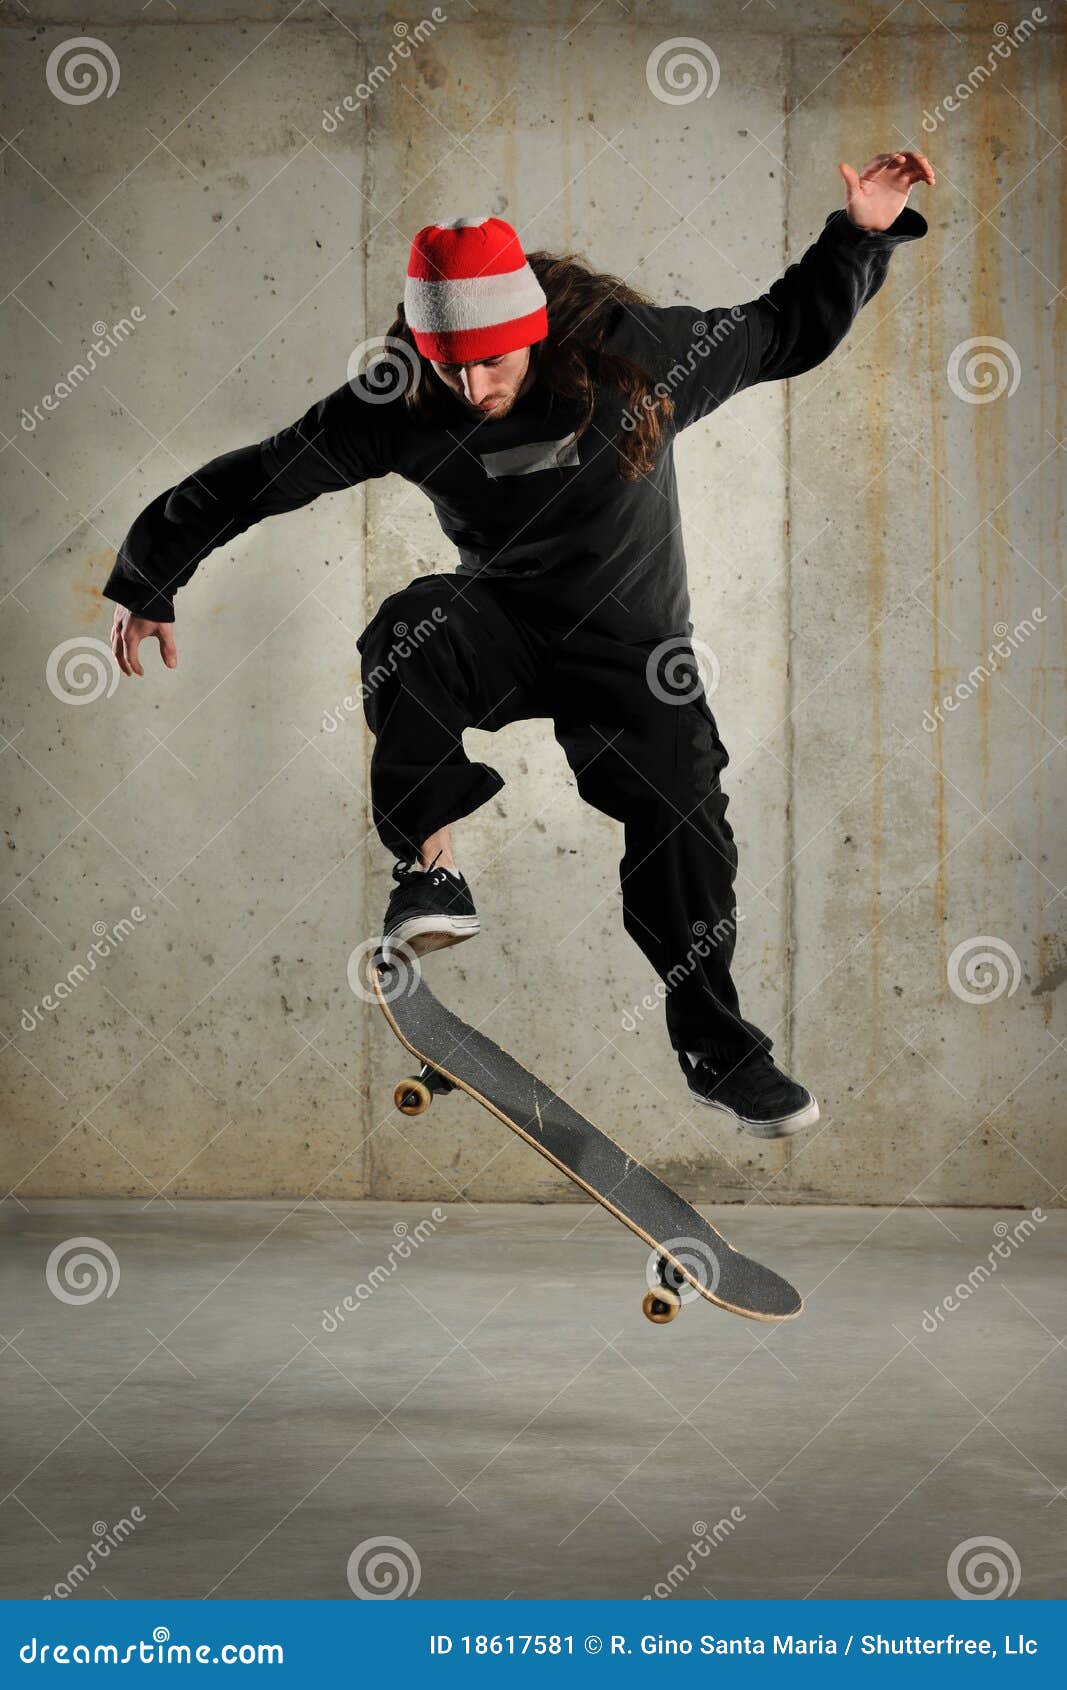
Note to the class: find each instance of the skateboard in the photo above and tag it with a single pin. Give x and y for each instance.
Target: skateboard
(691, 1256)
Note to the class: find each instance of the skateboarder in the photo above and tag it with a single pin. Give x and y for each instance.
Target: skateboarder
(537, 408)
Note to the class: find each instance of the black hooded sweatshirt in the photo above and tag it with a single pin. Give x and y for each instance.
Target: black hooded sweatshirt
(521, 500)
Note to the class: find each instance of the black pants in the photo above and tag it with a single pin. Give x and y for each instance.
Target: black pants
(450, 652)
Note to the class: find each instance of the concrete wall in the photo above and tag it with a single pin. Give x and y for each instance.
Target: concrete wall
(855, 542)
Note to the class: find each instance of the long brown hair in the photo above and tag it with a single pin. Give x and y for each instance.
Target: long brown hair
(582, 304)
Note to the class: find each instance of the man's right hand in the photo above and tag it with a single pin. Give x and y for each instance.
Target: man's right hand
(127, 632)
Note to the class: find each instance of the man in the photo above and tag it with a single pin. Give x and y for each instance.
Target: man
(538, 410)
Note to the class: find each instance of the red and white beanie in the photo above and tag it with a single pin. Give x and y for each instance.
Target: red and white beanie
(470, 292)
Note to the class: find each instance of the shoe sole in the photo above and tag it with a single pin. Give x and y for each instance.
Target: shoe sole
(784, 1127)
(425, 933)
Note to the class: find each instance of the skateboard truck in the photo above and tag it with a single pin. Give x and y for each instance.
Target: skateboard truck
(663, 1302)
(413, 1095)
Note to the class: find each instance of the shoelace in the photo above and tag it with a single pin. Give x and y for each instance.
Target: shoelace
(403, 872)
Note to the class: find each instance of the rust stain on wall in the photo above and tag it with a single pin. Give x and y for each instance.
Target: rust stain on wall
(1052, 963)
(1051, 948)
(881, 348)
(88, 594)
(932, 75)
(561, 103)
(997, 135)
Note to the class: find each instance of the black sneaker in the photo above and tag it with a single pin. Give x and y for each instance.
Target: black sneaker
(759, 1097)
(429, 908)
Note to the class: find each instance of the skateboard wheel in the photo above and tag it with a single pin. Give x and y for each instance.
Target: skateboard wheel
(661, 1305)
(412, 1097)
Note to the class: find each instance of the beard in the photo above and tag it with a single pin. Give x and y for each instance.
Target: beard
(502, 405)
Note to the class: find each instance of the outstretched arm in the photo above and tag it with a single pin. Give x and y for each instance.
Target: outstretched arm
(808, 311)
(338, 443)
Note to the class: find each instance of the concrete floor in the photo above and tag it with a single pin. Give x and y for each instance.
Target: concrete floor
(499, 1404)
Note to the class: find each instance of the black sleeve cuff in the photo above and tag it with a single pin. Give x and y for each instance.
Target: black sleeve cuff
(139, 597)
(910, 225)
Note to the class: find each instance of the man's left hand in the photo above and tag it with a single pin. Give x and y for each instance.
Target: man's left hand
(875, 198)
